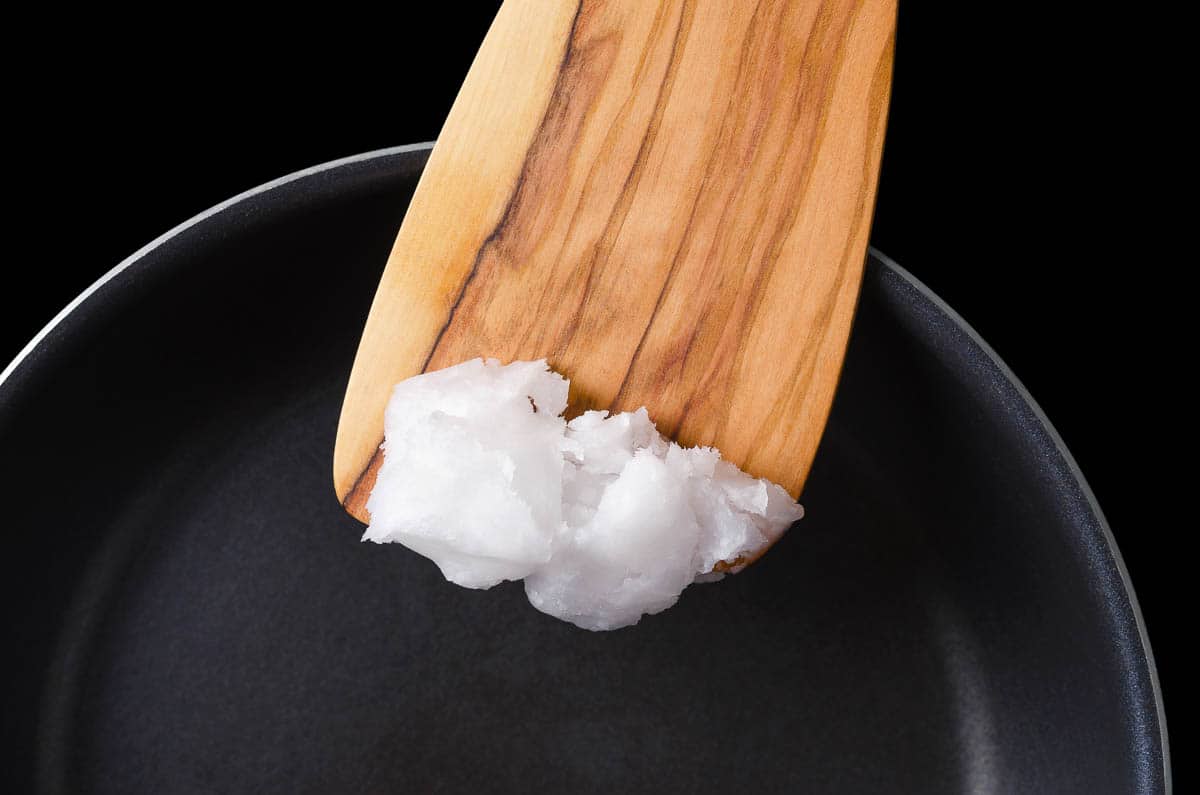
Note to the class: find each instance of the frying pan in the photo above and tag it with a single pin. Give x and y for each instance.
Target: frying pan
(190, 610)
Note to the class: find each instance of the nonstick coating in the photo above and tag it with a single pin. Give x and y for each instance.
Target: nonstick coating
(191, 610)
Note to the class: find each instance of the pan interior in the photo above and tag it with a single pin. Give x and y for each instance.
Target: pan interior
(206, 620)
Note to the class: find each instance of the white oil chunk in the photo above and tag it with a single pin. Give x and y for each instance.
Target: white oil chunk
(604, 519)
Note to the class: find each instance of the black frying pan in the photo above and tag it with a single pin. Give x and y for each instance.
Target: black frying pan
(191, 611)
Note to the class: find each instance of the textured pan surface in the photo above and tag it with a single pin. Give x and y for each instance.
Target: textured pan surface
(189, 608)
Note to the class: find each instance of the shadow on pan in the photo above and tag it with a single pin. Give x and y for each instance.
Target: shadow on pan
(189, 609)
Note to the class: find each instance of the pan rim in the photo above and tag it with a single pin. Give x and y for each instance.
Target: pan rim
(924, 291)
(199, 218)
(1076, 472)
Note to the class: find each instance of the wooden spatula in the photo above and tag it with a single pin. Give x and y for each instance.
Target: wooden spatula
(668, 200)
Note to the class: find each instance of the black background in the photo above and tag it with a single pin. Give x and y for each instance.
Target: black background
(1020, 182)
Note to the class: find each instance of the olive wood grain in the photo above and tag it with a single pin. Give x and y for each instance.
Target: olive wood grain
(670, 201)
